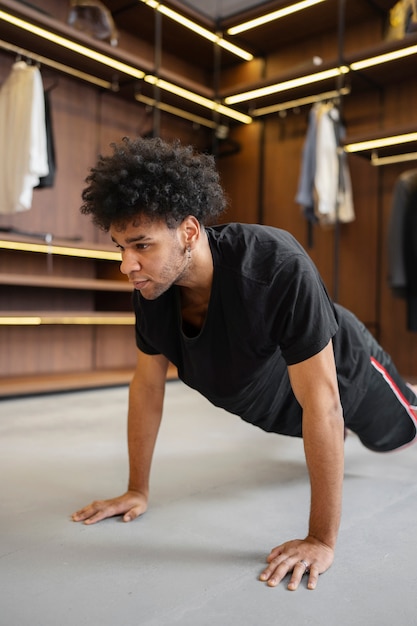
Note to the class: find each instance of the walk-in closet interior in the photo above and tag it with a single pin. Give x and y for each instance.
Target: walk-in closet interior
(244, 91)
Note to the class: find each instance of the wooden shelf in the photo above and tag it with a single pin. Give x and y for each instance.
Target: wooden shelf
(389, 150)
(62, 282)
(373, 77)
(97, 62)
(71, 381)
(37, 244)
(299, 26)
(90, 318)
(66, 306)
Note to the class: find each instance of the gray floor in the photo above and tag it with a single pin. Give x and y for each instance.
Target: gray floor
(223, 494)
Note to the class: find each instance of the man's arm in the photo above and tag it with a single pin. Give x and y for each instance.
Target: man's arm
(314, 383)
(146, 396)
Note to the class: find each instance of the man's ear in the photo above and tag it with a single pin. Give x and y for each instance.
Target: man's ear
(191, 230)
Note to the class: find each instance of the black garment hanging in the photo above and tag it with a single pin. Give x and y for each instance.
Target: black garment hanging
(49, 179)
(402, 244)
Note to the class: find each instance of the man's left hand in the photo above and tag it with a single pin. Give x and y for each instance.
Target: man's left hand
(300, 556)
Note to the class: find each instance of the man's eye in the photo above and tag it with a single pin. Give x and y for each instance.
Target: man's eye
(141, 246)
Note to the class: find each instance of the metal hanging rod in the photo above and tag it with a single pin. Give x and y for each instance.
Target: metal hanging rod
(293, 104)
(395, 158)
(9, 47)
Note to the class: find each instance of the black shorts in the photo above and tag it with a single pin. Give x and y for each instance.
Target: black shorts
(387, 416)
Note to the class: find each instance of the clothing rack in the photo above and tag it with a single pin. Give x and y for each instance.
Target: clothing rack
(21, 52)
(281, 108)
(388, 160)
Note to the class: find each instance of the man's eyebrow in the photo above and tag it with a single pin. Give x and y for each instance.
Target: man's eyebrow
(134, 239)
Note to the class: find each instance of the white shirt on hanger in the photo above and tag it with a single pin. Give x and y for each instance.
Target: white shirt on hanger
(23, 147)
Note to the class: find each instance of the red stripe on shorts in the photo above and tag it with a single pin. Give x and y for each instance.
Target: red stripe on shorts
(397, 392)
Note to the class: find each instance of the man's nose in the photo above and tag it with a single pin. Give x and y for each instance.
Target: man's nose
(130, 262)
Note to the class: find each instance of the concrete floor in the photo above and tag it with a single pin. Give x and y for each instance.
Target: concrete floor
(223, 494)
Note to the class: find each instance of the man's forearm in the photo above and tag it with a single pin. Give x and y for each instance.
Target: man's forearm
(324, 450)
(144, 418)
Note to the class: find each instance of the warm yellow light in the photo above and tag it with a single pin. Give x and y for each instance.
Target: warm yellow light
(55, 65)
(292, 104)
(383, 58)
(201, 100)
(67, 320)
(8, 320)
(286, 85)
(231, 47)
(72, 45)
(274, 15)
(384, 142)
(61, 250)
(196, 119)
(199, 30)
(395, 158)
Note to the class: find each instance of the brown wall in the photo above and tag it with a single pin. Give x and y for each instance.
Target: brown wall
(260, 180)
(360, 252)
(85, 121)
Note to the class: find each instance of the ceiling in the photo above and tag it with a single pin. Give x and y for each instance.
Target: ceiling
(215, 9)
(139, 19)
(177, 43)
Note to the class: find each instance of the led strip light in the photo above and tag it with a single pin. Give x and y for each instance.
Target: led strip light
(200, 30)
(269, 17)
(85, 253)
(124, 67)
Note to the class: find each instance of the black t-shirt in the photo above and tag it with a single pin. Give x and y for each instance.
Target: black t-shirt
(268, 309)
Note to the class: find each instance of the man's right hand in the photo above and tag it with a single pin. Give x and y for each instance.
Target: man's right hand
(131, 504)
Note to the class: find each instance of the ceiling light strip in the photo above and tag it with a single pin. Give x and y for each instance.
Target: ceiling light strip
(21, 246)
(40, 320)
(123, 67)
(270, 17)
(72, 45)
(286, 85)
(196, 119)
(199, 30)
(383, 58)
(383, 142)
(55, 65)
(293, 104)
(197, 99)
(395, 158)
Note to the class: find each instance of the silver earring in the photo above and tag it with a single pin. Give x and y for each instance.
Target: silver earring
(189, 253)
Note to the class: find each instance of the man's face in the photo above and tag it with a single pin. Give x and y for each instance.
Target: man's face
(153, 255)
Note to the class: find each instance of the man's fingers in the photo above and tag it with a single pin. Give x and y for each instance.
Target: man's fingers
(300, 568)
(81, 515)
(94, 512)
(313, 577)
(130, 505)
(300, 557)
(275, 572)
(135, 512)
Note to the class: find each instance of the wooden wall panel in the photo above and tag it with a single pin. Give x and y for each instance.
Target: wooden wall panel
(85, 121)
(240, 175)
(260, 179)
(399, 110)
(19, 298)
(40, 350)
(395, 337)
(56, 210)
(114, 349)
(360, 279)
(359, 246)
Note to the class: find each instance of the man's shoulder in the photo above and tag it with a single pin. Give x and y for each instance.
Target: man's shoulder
(257, 250)
(253, 237)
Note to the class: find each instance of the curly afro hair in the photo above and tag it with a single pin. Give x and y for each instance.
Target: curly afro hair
(159, 180)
